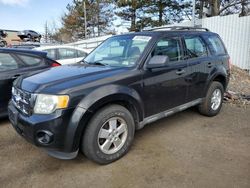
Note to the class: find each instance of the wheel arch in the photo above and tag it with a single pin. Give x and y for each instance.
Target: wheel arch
(95, 100)
(219, 74)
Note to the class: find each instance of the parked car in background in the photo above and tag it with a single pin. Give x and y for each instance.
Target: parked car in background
(16, 62)
(3, 34)
(64, 54)
(30, 35)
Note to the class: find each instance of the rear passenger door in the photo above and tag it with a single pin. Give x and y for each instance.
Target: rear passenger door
(199, 65)
(165, 87)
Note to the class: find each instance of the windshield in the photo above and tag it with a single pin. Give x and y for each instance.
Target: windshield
(120, 51)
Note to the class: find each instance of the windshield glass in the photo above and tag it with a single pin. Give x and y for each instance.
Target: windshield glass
(120, 51)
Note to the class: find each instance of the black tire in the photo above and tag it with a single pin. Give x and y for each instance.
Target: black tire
(91, 142)
(30, 37)
(2, 44)
(205, 108)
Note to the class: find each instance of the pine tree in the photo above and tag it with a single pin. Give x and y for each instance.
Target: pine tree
(98, 17)
(130, 10)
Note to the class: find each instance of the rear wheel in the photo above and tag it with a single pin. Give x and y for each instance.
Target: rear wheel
(213, 101)
(30, 37)
(109, 134)
(3, 44)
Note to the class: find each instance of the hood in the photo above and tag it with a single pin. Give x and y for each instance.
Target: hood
(57, 79)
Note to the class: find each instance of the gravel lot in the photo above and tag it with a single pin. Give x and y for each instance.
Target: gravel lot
(185, 150)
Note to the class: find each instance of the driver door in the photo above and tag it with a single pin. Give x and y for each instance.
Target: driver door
(165, 88)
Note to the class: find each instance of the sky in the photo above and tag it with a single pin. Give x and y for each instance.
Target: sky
(31, 14)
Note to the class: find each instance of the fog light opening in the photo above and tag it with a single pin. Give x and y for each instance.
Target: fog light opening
(44, 137)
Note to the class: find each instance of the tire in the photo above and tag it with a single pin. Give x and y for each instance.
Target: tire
(212, 103)
(99, 143)
(2, 44)
(30, 37)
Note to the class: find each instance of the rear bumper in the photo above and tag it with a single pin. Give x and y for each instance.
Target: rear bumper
(55, 132)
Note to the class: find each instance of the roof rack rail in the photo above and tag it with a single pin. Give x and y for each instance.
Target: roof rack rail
(177, 28)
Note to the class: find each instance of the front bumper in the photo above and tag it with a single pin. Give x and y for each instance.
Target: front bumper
(57, 125)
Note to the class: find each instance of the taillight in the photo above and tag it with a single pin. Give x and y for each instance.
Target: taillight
(55, 64)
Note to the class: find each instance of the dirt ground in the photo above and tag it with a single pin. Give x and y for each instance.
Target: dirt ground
(185, 150)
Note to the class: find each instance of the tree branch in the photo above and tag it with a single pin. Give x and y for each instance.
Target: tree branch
(230, 5)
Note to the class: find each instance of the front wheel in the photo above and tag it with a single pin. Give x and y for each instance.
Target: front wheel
(3, 44)
(213, 101)
(108, 135)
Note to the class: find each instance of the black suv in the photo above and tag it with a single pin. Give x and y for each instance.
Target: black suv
(125, 83)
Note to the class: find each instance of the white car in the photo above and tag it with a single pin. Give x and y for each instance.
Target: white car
(64, 54)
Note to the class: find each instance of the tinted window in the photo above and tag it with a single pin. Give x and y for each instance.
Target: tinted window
(65, 53)
(51, 53)
(7, 62)
(30, 60)
(195, 47)
(169, 47)
(215, 45)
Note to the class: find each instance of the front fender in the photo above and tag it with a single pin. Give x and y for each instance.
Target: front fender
(111, 93)
(93, 101)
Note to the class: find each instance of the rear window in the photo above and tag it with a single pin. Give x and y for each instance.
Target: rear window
(81, 53)
(7, 62)
(30, 60)
(215, 45)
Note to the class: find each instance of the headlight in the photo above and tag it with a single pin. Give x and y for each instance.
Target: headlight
(47, 104)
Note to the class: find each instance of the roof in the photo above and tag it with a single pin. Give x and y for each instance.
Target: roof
(15, 50)
(60, 46)
(181, 30)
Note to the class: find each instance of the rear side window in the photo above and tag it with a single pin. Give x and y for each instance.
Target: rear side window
(81, 53)
(30, 60)
(51, 53)
(215, 45)
(7, 62)
(169, 47)
(65, 53)
(195, 47)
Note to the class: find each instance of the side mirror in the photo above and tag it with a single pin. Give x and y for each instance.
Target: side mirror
(158, 61)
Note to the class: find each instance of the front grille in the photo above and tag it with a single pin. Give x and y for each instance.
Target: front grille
(22, 100)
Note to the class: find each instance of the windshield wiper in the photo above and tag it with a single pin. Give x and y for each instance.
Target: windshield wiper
(98, 63)
(84, 62)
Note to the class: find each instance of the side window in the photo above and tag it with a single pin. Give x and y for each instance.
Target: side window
(170, 47)
(215, 45)
(136, 48)
(51, 53)
(195, 47)
(30, 60)
(7, 62)
(65, 53)
(81, 53)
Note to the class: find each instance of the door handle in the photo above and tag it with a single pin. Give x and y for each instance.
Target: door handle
(15, 76)
(180, 72)
(209, 65)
